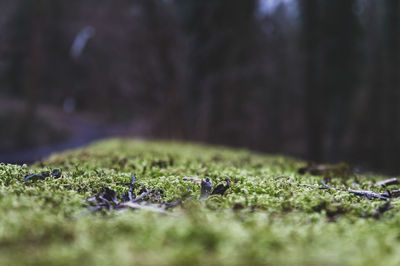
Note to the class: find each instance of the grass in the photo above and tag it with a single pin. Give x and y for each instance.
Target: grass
(270, 216)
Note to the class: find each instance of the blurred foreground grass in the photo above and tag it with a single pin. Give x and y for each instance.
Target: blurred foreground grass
(270, 216)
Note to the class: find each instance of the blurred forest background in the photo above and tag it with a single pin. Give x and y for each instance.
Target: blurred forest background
(312, 78)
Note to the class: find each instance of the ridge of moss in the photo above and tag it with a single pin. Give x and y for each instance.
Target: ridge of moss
(271, 215)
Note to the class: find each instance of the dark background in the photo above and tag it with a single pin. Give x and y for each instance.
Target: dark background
(312, 78)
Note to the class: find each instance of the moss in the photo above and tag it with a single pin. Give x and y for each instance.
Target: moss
(271, 215)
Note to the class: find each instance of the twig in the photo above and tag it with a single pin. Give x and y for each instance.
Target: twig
(369, 194)
(176, 202)
(382, 209)
(366, 193)
(388, 182)
(142, 195)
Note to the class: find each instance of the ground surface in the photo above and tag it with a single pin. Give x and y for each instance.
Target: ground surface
(55, 130)
(270, 216)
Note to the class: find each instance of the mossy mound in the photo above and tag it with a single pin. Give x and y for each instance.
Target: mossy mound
(271, 215)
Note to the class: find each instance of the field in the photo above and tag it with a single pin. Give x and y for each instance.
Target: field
(270, 214)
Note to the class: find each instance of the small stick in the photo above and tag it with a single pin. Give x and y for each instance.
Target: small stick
(366, 193)
(142, 196)
(382, 209)
(395, 193)
(178, 201)
(388, 182)
(369, 194)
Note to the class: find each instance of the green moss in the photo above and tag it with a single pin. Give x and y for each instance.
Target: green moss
(270, 216)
